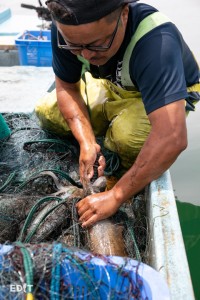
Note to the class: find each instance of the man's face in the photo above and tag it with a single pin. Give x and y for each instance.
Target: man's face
(97, 41)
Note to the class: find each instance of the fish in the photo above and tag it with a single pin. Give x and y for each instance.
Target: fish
(99, 185)
(56, 217)
(13, 211)
(51, 223)
(106, 238)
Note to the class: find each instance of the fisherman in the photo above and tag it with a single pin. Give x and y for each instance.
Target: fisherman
(152, 81)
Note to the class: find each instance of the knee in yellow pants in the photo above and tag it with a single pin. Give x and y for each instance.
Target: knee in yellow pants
(127, 131)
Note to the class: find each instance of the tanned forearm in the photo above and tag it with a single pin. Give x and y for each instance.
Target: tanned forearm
(74, 111)
(159, 152)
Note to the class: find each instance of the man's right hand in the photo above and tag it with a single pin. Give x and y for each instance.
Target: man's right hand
(87, 160)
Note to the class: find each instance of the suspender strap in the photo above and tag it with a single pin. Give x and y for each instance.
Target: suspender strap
(145, 26)
(85, 64)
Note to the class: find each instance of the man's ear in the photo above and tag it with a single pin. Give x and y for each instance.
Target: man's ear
(125, 13)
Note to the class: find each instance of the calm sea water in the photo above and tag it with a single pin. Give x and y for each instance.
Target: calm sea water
(189, 215)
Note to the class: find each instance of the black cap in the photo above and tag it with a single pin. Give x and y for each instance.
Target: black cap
(85, 11)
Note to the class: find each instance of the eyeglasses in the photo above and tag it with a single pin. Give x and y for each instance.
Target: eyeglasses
(75, 47)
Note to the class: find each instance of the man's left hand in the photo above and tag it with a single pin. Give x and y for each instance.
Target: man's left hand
(97, 207)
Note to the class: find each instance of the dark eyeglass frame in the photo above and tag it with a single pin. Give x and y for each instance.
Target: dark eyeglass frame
(73, 47)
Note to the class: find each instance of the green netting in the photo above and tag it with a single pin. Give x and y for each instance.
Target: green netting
(39, 189)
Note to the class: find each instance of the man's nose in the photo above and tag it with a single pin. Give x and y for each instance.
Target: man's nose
(87, 54)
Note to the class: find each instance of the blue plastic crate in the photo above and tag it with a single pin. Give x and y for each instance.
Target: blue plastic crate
(34, 48)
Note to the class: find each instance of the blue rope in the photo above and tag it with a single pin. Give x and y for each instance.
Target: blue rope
(55, 274)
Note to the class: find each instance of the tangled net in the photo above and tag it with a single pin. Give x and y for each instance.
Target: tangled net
(39, 189)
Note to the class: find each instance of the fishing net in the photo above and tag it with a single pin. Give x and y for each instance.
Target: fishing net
(66, 273)
(39, 189)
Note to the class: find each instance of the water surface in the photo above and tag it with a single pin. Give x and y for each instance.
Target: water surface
(189, 215)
